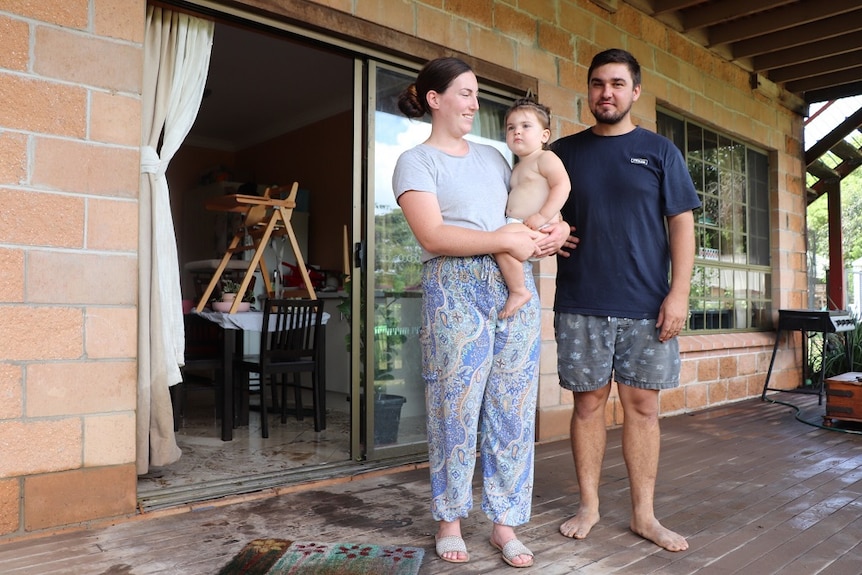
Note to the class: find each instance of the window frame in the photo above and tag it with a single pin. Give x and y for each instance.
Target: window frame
(731, 288)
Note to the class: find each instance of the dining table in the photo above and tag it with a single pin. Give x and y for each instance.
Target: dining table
(235, 326)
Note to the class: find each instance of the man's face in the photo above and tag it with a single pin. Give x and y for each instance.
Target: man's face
(612, 93)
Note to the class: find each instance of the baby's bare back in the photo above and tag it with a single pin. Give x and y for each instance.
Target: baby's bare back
(528, 189)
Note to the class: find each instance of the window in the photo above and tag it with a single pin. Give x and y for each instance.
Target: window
(731, 283)
(395, 271)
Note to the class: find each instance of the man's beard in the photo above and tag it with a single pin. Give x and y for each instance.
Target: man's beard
(609, 117)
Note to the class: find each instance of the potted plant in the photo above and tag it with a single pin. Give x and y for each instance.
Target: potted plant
(387, 406)
(229, 289)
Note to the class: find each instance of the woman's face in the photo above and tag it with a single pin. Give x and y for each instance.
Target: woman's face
(454, 109)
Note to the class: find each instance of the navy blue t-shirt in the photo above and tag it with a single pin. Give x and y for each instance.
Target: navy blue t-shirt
(623, 187)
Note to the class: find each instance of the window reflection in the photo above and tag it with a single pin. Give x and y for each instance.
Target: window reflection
(730, 283)
(396, 369)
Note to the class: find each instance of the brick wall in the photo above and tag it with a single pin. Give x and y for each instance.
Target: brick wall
(70, 76)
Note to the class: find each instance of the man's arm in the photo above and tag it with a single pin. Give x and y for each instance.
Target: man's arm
(674, 310)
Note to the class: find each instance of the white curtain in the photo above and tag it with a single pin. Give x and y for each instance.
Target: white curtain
(176, 60)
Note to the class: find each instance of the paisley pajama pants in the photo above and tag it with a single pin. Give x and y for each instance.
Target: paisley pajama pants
(481, 376)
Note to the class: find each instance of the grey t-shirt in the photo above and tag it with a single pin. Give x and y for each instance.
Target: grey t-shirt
(471, 189)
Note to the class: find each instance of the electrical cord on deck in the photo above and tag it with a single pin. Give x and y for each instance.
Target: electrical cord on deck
(798, 418)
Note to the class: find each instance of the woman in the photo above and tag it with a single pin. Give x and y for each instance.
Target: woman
(480, 372)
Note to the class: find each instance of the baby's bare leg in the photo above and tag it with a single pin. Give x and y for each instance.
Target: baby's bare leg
(513, 274)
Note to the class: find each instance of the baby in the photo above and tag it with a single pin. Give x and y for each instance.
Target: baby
(538, 188)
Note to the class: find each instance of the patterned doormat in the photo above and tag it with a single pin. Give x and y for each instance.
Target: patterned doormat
(281, 557)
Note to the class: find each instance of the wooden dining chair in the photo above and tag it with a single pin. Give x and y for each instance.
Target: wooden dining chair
(203, 364)
(290, 343)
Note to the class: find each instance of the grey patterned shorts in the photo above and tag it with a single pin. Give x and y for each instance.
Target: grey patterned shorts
(592, 349)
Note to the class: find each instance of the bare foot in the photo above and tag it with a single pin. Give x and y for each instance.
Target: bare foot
(660, 535)
(579, 526)
(514, 302)
(502, 534)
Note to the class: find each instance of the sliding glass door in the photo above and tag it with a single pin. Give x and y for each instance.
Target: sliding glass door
(392, 380)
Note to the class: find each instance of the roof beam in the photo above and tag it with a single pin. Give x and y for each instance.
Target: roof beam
(808, 52)
(847, 152)
(825, 80)
(802, 12)
(803, 34)
(712, 14)
(665, 6)
(822, 172)
(852, 122)
(833, 92)
(817, 67)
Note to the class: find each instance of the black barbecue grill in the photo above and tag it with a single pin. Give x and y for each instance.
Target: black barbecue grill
(809, 321)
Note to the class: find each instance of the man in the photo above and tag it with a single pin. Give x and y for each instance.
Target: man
(617, 315)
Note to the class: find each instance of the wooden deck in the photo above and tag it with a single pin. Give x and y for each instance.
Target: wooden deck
(753, 489)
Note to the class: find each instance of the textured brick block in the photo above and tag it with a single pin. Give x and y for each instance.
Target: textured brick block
(548, 330)
(717, 392)
(14, 44)
(727, 367)
(556, 40)
(11, 396)
(549, 390)
(696, 396)
(69, 13)
(115, 119)
(515, 23)
(746, 364)
(55, 389)
(489, 46)
(624, 16)
(112, 225)
(687, 372)
(478, 11)
(111, 332)
(544, 67)
(40, 446)
(737, 388)
(540, 9)
(77, 496)
(398, 15)
(13, 158)
(10, 505)
(12, 278)
(87, 60)
(671, 400)
(54, 277)
(707, 369)
(35, 105)
(80, 167)
(120, 19)
(40, 333)
(38, 219)
(553, 424)
(447, 31)
(109, 440)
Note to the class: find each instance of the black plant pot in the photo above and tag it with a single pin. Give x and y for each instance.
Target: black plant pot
(387, 416)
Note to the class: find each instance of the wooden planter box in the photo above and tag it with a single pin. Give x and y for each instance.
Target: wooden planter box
(843, 398)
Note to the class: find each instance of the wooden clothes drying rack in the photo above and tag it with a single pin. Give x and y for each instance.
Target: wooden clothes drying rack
(264, 216)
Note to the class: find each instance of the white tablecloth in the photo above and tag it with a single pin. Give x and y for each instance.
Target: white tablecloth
(246, 321)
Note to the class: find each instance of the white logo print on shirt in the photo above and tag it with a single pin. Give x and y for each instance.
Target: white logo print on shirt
(641, 161)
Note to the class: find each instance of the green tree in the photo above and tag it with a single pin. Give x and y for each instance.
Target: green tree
(851, 223)
(398, 266)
